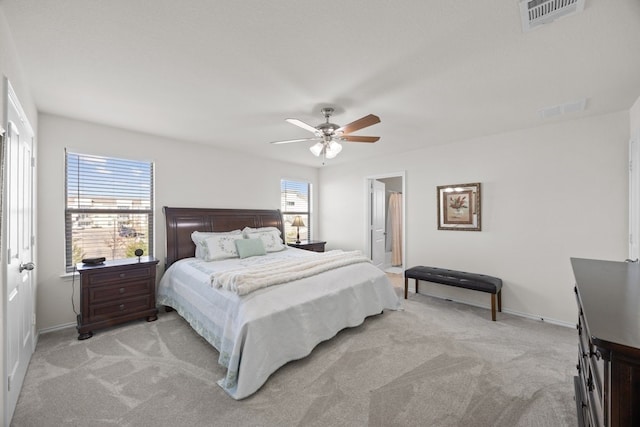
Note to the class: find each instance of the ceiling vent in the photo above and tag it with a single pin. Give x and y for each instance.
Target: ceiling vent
(568, 107)
(539, 12)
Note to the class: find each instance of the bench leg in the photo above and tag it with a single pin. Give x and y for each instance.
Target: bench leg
(406, 287)
(493, 307)
(500, 300)
(416, 286)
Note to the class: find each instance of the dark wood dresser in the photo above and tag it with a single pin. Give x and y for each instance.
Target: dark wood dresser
(115, 292)
(309, 245)
(608, 383)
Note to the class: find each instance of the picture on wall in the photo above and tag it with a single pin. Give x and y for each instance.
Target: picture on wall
(459, 207)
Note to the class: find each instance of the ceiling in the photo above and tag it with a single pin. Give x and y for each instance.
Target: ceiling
(228, 73)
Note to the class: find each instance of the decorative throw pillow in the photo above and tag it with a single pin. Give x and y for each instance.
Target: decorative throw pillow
(270, 236)
(250, 247)
(199, 237)
(222, 246)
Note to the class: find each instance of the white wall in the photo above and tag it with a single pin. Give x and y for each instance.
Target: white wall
(11, 69)
(548, 194)
(186, 174)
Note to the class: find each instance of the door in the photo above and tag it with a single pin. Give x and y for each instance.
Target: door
(19, 232)
(378, 223)
(634, 196)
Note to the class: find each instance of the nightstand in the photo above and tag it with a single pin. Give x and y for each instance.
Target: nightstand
(309, 245)
(115, 292)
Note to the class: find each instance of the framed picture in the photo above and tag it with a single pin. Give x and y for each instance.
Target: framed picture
(459, 207)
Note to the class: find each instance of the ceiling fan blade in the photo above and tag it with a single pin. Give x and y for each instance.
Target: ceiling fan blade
(359, 124)
(294, 140)
(357, 138)
(303, 125)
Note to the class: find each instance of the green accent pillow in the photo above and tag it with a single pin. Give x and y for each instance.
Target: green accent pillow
(250, 247)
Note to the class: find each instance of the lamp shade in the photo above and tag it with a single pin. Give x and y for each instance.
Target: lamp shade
(316, 148)
(297, 222)
(332, 150)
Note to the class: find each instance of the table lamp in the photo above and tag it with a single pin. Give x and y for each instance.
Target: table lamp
(297, 222)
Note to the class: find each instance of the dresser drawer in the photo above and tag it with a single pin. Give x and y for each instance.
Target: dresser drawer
(100, 278)
(594, 398)
(99, 294)
(119, 307)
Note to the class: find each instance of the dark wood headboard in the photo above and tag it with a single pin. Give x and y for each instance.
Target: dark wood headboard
(181, 222)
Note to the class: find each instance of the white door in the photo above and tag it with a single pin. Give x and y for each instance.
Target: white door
(378, 223)
(634, 196)
(18, 218)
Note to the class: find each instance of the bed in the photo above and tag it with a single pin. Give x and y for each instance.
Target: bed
(258, 331)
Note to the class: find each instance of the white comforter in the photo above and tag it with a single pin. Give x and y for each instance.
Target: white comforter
(258, 332)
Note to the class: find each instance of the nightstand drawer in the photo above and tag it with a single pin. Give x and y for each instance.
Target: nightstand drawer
(118, 308)
(98, 294)
(115, 292)
(119, 276)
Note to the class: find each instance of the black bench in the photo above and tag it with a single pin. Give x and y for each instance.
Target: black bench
(477, 282)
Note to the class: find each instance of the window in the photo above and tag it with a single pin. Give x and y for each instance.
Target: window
(295, 199)
(109, 208)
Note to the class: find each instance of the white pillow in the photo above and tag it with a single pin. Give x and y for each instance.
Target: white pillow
(222, 246)
(255, 230)
(270, 236)
(199, 237)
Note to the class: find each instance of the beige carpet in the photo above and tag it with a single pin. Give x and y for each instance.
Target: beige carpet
(436, 363)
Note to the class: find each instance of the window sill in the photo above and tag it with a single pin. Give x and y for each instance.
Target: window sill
(69, 276)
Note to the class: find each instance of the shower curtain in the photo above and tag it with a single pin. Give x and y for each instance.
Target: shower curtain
(394, 228)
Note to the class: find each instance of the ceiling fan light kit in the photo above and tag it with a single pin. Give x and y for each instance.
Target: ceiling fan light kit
(329, 135)
(329, 149)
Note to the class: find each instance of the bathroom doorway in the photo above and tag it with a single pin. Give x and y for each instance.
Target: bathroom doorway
(386, 221)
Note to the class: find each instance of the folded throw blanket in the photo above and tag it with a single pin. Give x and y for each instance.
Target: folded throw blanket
(252, 278)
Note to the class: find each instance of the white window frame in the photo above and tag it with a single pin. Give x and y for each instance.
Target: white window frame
(288, 190)
(126, 195)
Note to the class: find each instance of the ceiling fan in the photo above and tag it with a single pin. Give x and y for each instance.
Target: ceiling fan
(329, 135)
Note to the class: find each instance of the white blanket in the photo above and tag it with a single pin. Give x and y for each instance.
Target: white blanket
(257, 277)
(257, 333)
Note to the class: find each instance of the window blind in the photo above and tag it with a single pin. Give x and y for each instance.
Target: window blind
(109, 207)
(295, 201)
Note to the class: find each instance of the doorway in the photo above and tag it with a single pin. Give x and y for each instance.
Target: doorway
(386, 221)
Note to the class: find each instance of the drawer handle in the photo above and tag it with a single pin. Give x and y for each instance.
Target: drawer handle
(122, 290)
(122, 275)
(121, 307)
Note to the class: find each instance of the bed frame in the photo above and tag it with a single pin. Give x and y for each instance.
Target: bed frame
(181, 222)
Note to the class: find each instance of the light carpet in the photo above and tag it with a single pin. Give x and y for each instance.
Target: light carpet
(437, 363)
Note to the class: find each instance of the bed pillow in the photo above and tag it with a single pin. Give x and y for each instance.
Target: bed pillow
(270, 236)
(255, 230)
(199, 237)
(250, 247)
(221, 246)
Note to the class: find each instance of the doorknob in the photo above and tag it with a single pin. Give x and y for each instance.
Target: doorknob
(27, 266)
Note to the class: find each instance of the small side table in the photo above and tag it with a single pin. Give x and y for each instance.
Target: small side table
(115, 292)
(309, 245)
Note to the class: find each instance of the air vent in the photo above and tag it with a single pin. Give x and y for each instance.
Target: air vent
(567, 107)
(539, 12)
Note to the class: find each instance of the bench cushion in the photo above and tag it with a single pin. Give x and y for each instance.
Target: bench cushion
(461, 279)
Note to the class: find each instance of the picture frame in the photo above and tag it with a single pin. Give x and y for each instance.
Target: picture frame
(459, 207)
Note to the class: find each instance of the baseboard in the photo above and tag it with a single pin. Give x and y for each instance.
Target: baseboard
(57, 328)
(506, 310)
